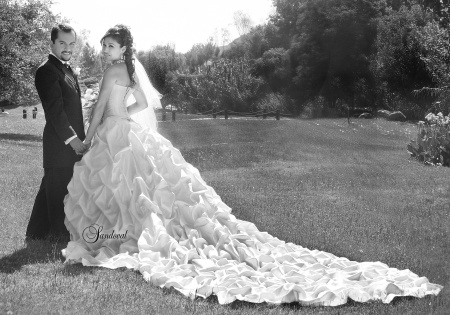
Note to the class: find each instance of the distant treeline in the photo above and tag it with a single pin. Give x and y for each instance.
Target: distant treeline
(318, 55)
(330, 54)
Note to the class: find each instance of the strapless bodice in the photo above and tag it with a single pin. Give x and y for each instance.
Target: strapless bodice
(117, 102)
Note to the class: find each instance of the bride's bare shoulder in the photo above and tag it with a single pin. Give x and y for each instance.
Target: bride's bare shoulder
(117, 69)
(118, 73)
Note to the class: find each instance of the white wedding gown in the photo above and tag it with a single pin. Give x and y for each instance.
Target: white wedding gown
(154, 213)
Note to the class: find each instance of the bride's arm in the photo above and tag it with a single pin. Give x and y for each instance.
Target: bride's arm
(108, 82)
(141, 101)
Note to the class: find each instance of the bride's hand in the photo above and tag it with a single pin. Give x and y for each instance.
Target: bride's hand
(86, 145)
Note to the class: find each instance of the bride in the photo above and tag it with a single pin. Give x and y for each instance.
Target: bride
(135, 202)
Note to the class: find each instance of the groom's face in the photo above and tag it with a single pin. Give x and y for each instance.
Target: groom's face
(63, 45)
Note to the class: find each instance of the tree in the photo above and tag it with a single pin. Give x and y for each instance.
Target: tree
(242, 22)
(158, 62)
(274, 67)
(229, 85)
(331, 48)
(257, 41)
(285, 19)
(225, 36)
(89, 61)
(436, 57)
(398, 66)
(199, 54)
(24, 38)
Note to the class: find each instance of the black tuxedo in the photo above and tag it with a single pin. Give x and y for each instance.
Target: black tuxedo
(60, 94)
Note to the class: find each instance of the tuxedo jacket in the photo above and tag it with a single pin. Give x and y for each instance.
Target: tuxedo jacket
(60, 95)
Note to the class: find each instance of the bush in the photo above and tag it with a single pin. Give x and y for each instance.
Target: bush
(433, 141)
(314, 108)
(228, 84)
(271, 102)
(436, 57)
(399, 62)
(6, 103)
(89, 81)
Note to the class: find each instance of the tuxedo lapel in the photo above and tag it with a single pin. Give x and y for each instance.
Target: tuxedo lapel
(78, 85)
(74, 77)
(68, 74)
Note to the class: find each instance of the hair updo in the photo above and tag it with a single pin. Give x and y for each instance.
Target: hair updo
(122, 35)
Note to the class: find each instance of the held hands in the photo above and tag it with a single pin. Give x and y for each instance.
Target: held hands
(78, 146)
(87, 145)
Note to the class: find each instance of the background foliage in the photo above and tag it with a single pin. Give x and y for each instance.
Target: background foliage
(346, 53)
(24, 29)
(383, 54)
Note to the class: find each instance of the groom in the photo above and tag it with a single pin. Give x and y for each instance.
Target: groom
(59, 92)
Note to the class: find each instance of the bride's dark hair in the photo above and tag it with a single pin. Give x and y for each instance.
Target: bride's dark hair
(122, 35)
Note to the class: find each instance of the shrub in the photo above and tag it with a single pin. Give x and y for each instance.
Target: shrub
(228, 84)
(433, 141)
(314, 107)
(89, 81)
(271, 102)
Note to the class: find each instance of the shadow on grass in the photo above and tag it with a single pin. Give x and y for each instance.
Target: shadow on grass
(20, 137)
(76, 270)
(37, 252)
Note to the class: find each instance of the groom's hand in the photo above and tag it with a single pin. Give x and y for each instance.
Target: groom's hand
(87, 146)
(77, 146)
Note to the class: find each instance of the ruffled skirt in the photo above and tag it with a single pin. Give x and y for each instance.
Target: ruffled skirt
(135, 202)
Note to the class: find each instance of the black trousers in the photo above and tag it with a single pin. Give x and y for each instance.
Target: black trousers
(47, 217)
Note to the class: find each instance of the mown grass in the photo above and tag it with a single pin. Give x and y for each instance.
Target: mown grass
(350, 190)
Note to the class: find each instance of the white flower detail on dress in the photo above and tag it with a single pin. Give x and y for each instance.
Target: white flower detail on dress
(77, 71)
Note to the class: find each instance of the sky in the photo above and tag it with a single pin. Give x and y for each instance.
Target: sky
(159, 22)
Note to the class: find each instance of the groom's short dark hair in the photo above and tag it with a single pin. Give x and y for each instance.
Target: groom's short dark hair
(63, 28)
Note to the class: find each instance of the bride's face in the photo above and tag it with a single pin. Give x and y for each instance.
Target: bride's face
(111, 49)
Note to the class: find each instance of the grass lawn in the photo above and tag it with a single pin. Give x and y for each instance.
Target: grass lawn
(350, 190)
